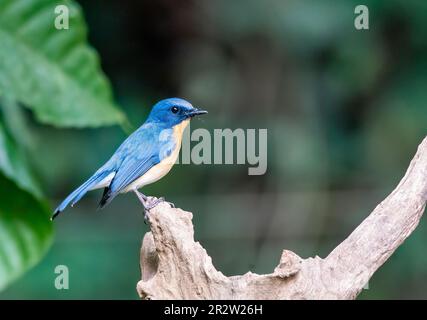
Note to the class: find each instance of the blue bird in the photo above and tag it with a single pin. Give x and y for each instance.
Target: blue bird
(146, 156)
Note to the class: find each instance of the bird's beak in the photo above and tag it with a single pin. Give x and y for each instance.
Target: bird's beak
(196, 112)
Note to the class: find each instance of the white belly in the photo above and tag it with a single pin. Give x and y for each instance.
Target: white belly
(161, 169)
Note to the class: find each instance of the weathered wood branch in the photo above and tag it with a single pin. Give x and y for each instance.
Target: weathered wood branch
(174, 266)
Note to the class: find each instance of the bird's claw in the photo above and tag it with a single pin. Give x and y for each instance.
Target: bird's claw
(150, 202)
(162, 199)
(153, 202)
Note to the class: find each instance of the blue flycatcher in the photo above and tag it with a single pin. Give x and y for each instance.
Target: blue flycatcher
(144, 157)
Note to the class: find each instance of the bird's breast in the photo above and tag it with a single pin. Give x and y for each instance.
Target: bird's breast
(171, 144)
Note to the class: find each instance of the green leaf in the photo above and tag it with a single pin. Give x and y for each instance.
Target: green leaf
(25, 227)
(53, 72)
(14, 165)
(25, 231)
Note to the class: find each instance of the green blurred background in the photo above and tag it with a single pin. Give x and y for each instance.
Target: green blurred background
(345, 111)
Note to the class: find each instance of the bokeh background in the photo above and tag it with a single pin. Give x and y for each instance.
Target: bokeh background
(345, 111)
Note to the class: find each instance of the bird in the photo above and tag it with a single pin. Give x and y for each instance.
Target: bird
(146, 156)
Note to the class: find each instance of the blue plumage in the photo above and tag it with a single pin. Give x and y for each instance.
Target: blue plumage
(142, 158)
(77, 194)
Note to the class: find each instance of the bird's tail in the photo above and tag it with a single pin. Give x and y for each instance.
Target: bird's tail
(77, 194)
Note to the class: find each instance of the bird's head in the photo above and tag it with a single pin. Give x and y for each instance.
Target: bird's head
(173, 111)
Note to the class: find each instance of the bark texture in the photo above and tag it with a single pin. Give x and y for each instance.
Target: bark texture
(174, 266)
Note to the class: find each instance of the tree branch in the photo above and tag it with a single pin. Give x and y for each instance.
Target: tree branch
(174, 266)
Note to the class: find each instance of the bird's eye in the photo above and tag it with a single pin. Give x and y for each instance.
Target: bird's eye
(174, 109)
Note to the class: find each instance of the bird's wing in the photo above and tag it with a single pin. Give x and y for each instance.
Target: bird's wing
(131, 169)
(138, 155)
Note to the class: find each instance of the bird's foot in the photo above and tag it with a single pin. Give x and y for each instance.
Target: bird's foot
(149, 203)
(144, 201)
(153, 202)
